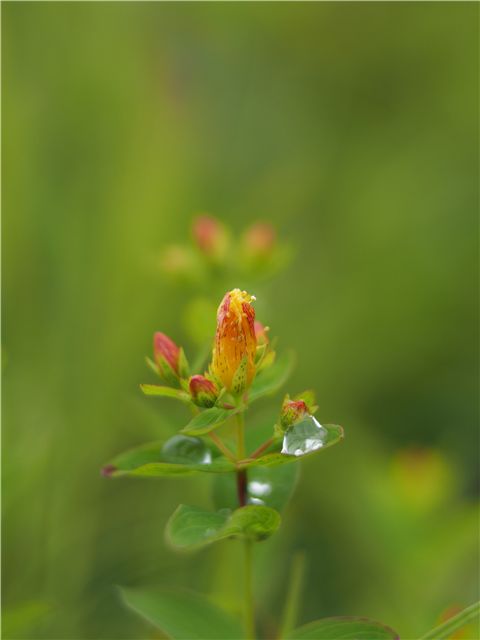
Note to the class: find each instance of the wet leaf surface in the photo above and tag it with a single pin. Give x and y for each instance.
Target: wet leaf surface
(192, 528)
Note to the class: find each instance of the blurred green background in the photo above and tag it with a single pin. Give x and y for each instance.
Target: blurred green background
(353, 129)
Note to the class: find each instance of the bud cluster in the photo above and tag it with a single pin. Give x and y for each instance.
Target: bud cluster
(257, 251)
(241, 348)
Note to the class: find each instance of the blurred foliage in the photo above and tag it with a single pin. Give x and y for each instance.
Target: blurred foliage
(353, 129)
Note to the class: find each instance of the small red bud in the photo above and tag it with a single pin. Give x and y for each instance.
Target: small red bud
(167, 354)
(260, 239)
(211, 236)
(203, 391)
(292, 412)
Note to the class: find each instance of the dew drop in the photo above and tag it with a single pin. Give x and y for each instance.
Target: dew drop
(186, 450)
(304, 437)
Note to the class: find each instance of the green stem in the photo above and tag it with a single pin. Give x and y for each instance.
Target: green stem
(249, 610)
(263, 447)
(249, 605)
(222, 446)
(446, 629)
(294, 592)
(240, 436)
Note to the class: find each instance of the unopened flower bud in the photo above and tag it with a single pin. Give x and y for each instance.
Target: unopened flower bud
(292, 411)
(167, 357)
(211, 237)
(233, 362)
(259, 239)
(203, 391)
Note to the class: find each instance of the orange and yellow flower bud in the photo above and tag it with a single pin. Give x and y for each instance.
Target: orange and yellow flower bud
(233, 363)
(203, 391)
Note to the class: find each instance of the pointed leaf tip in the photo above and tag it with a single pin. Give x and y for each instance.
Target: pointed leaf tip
(108, 470)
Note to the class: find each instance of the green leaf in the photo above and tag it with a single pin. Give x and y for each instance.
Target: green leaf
(271, 379)
(166, 392)
(208, 420)
(192, 528)
(448, 628)
(152, 365)
(342, 628)
(180, 455)
(239, 380)
(267, 486)
(298, 443)
(182, 615)
(183, 366)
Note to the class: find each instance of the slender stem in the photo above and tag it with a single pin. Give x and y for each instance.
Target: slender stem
(249, 605)
(222, 446)
(248, 544)
(262, 448)
(242, 487)
(240, 436)
(242, 473)
(294, 592)
(446, 629)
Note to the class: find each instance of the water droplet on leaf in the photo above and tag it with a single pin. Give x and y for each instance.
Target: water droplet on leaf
(304, 437)
(186, 450)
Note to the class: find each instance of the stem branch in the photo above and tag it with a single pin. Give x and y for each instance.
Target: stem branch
(222, 446)
(263, 447)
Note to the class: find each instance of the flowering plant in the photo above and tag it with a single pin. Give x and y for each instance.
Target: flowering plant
(255, 468)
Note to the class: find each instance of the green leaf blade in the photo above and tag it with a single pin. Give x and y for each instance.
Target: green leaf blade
(179, 456)
(333, 434)
(165, 392)
(207, 420)
(343, 628)
(182, 615)
(191, 528)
